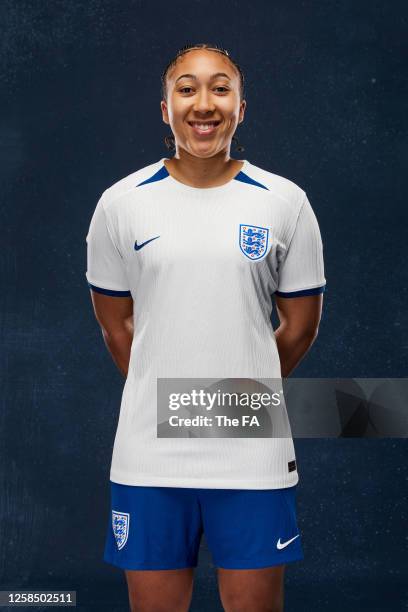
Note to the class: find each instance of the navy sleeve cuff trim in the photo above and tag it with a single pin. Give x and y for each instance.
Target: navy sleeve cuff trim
(110, 292)
(302, 293)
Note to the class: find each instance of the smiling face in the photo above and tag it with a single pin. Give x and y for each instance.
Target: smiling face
(203, 106)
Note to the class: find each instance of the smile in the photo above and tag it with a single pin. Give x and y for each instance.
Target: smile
(204, 128)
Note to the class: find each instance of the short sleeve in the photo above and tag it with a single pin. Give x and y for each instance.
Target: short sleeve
(105, 267)
(301, 272)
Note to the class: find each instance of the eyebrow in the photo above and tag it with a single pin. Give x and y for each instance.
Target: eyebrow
(213, 76)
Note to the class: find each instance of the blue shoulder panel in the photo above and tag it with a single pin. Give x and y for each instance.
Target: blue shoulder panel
(241, 176)
(158, 176)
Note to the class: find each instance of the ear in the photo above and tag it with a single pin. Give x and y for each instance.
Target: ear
(165, 113)
(242, 109)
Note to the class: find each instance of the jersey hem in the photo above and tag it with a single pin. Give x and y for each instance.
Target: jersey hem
(320, 288)
(101, 287)
(301, 292)
(205, 483)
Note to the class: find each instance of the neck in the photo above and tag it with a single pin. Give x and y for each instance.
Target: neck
(203, 171)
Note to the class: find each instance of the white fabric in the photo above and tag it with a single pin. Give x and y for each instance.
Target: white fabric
(201, 309)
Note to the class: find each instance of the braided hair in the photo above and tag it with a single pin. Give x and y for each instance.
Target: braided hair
(170, 140)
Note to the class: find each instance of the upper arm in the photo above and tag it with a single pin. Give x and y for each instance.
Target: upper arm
(299, 296)
(112, 313)
(301, 283)
(301, 273)
(106, 270)
(106, 274)
(301, 314)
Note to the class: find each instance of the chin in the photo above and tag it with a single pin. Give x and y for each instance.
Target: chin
(204, 153)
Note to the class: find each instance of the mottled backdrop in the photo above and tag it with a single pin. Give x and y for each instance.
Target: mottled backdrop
(80, 110)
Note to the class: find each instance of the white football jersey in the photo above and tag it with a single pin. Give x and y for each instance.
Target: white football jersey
(202, 266)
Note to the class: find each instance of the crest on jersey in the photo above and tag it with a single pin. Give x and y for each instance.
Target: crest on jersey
(253, 241)
(120, 524)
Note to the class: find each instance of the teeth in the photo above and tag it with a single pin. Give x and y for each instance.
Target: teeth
(204, 126)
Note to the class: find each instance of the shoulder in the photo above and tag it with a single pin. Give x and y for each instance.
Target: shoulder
(280, 187)
(113, 194)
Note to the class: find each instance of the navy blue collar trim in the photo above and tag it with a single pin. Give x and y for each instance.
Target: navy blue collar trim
(163, 173)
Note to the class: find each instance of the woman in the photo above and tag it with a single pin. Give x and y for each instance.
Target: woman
(183, 258)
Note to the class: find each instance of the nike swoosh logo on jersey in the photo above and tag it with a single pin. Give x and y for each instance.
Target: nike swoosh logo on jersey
(281, 545)
(140, 246)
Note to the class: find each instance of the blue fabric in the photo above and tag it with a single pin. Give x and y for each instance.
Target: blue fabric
(302, 292)
(241, 176)
(161, 174)
(162, 527)
(110, 292)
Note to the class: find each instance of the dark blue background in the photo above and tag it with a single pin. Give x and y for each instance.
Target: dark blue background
(325, 93)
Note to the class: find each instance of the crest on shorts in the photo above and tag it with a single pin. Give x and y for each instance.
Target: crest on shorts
(120, 525)
(253, 240)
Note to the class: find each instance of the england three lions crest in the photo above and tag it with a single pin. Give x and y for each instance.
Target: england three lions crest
(253, 241)
(120, 525)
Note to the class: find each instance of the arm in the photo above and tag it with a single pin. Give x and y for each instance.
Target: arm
(299, 324)
(299, 295)
(110, 291)
(115, 317)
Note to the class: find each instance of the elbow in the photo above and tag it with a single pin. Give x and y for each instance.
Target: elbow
(311, 333)
(116, 328)
(114, 335)
(300, 333)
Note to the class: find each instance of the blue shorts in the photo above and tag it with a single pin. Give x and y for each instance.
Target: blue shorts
(158, 528)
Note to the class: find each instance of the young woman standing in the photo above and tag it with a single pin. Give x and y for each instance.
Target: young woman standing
(185, 257)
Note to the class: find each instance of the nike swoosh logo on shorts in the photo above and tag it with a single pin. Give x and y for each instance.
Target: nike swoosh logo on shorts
(281, 545)
(140, 246)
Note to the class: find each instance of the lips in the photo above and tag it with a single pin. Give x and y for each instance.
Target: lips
(203, 128)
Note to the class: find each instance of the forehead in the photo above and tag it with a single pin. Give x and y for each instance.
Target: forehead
(202, 63)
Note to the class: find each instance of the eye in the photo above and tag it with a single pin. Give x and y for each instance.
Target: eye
(184, 88)
(222, 87)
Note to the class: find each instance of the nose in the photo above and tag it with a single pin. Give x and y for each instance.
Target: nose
(203, 102)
